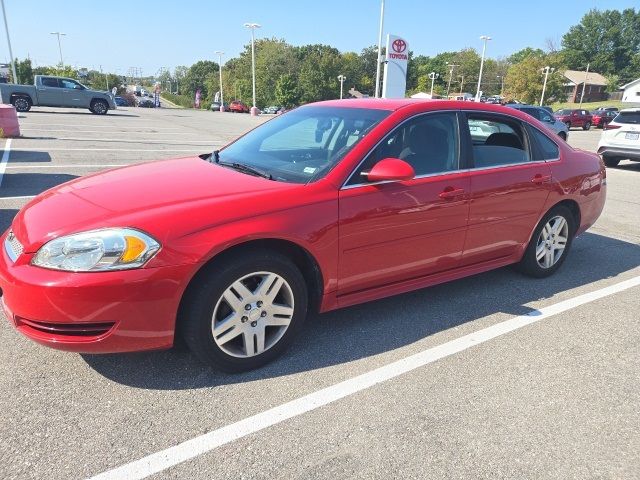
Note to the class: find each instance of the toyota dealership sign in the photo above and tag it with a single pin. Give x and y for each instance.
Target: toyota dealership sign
(395, 68)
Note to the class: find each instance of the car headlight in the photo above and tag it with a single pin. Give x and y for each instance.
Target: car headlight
(97, 250)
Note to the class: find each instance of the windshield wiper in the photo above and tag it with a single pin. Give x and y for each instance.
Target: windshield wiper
(241, 167)
(216, 156)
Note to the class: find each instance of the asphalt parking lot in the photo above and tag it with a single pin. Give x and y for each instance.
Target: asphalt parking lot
(556, 397)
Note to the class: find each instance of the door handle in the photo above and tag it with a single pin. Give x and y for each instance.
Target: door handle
(541, 178)
(450, 193)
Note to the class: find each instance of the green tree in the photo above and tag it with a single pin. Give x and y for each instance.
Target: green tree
(608, 40)
(525, 79)
(520, 55)
(24, 71)
(286, 91)
(201, 75)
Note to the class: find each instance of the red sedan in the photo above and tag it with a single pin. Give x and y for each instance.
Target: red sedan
(329, 205)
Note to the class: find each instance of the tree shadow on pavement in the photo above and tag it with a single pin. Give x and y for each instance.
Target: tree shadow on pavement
(377, 327)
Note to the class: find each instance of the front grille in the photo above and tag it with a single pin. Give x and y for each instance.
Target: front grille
(67, 329)
(12, 246)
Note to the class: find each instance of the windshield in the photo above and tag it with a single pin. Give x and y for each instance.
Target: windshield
(563, 112)
(304, 144)
(628, 117)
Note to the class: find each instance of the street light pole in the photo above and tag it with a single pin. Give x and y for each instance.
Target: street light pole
(253, 26)
(451, 67)
(6, 28)
(59, 45)
(546, 71)
(433, 76)
(461, 82)
(341, 78)
(485, 39)
(584, 85)
(220, 70)
(379, 60)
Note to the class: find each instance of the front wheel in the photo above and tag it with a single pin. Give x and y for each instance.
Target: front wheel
(563, 136)
(568, 124)
(549, 244)
(586, 126)
(99, 107)
(244, 311)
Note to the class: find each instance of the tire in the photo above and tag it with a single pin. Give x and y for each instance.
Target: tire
(21, 103)
(534, 266)
(205, 309)
(586, 126)
(568, 124)
(611, 161)
(563, 136)
(99, 107)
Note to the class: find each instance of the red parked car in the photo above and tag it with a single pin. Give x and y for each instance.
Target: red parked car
(329, 205)
(238, 107)
(603, 117)
(575, 118)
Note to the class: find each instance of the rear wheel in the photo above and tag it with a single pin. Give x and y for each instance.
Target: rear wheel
(550, 243)
(99, 107)
(562, 135)
(244, 311)
(611, 161)
(586, 126)
(21, 103)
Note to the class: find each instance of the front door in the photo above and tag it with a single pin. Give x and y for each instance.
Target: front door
(395, 231)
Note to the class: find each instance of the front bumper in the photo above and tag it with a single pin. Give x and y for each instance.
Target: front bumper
(613, 151)
(97, 312)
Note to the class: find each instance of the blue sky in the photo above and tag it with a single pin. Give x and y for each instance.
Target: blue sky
(149, 35)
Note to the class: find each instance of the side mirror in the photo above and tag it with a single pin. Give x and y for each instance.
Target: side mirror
(390, 169)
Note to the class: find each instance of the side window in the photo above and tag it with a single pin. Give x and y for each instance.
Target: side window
(497, 141)
(545, 116)
(64, 83)
(547, 149)
(429, 143)
(531, 111)
(49, 82)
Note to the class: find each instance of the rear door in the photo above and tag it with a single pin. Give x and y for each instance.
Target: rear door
(509, 186)
(49, 92)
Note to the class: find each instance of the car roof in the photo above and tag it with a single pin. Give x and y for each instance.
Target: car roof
(633, 109)
(393, 104)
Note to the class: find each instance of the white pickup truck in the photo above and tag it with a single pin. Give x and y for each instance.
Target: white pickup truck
(49, 91)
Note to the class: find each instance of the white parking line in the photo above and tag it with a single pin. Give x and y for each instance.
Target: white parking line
(5, 158)
(133, 127)
(150, 141)
(24, 197)
(69, 165)
(137, 131)
(189, 449)
(201, 149)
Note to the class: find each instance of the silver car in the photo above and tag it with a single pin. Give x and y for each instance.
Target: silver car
(545, 117)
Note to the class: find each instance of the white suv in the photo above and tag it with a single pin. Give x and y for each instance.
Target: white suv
(621, 138)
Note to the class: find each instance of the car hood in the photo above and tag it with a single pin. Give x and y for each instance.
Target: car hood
(142, 196)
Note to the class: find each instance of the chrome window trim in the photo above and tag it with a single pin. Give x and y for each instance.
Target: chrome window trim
(421, 114)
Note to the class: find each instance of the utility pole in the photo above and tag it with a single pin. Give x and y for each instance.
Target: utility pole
(546, 71)
(59, 46)
(501, 77)
(252, 27)
(451, 67)
(6, 28)
(433, 76)
(379, 61)
(220, 71)
(461, 77)
(584, 85)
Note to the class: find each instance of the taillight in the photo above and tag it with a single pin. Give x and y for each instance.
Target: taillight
(609, 126)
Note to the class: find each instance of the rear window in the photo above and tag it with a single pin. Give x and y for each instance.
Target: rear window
(628, 117)
(563, 112)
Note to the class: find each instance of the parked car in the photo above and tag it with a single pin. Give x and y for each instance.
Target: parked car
(606, 109)
(621, 138)
(545, 117)
(146, 102)
(575, 118)
(602, 117)
(329, 205)
(215, 106)
(121, 101)
(272, 109)
(238, 107)
(48, 91)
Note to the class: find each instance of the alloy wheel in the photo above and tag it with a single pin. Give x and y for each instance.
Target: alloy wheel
(252, 314)
(552, 241)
